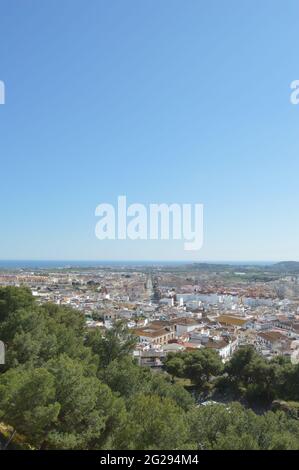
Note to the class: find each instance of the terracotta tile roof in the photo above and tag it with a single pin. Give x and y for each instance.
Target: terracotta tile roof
(216, 344)
(151, 332)
(186, 321)
(272, 336)
(232, 320)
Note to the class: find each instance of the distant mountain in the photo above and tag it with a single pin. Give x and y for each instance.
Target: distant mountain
(286, 266)
(283, 267)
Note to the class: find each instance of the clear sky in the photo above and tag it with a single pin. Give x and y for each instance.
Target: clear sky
(162, 101)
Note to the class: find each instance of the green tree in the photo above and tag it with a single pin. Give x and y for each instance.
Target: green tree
(236, 367)
(162, 386)
(154, 423)
(174, 364)
(289, 388)
(125, 377)
(201, 364)
(112, 344)
(198, 365)
(36, 334)
(27, 402)
(60, 406)
(232, 427)
(89, 412)
(13, 298)
(256, 378)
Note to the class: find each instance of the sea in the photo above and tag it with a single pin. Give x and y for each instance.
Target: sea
(64, 264)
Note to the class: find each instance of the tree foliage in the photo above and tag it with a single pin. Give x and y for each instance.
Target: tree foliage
(198, 365)
(66, 387)
(232, 427)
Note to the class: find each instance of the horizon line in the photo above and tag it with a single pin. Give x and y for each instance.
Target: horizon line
(73, 260)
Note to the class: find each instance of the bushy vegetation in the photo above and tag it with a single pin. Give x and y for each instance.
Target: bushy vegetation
(247, 375)
(66, 387)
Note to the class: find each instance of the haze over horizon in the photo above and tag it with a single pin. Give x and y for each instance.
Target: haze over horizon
(72, 262)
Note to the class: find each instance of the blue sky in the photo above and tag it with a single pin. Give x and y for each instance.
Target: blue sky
(171, 101)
